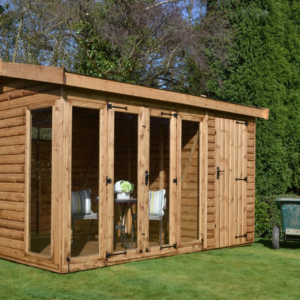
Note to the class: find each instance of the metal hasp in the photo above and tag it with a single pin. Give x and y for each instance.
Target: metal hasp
(169, 246)
(174, 115)
(110, 106)
(245, 179)
(175, 180)
(244, 235)
(109, 255)
(219, 172)
(108, 180)
(245, 123)
(146, 178)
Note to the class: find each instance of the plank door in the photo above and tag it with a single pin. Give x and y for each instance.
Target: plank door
(231, 187)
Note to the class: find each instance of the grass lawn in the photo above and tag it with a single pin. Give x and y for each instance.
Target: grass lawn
(253, 272)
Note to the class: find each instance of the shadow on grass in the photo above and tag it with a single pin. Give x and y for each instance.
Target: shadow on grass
(284, 245)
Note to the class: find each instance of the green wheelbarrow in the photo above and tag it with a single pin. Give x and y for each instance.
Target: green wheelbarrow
(290, 215)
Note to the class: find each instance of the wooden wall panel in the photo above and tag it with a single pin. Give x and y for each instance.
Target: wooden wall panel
(12, 159)
(12, 177)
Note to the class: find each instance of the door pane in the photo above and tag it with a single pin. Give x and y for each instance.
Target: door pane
(159, 180)
(125, 170)
(41, 176)
(189, 181)
(85, 181)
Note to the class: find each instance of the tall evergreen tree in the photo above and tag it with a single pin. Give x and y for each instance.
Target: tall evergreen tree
(264, 71)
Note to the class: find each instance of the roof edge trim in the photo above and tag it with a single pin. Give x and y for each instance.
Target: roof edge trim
(57, 75)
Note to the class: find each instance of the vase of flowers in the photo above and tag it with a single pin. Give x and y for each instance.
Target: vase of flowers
(123, 189)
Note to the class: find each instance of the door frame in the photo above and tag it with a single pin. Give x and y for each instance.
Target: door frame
(156, 250)
(142, 133)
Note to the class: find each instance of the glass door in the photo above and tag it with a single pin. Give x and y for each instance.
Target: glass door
(190, 181)
(122, 182)
(85, 195)
(162, 181)
(125, 181)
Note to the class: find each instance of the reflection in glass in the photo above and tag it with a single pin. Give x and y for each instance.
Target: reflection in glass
(125, 168)
(189, 181)
(85, 181)
(159, 179)
(40, 193)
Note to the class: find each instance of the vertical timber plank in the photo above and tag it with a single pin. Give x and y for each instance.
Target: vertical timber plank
(222, 185)
(231, 184)
(110, 174)
(67, 180)
(178, 203)
(57, 186)
(244, 183)
(143, 165)
(203, 159)
(236, 184)
(172, 185)
(227, 182)
(103, 221)
(27, 181)
(217, 186)
(239, 183)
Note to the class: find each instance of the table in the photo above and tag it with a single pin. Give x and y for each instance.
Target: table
(127, 205)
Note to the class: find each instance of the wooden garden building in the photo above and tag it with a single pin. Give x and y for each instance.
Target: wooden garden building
(67, 139)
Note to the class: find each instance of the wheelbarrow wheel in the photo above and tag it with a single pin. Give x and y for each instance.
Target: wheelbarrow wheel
(275, 237)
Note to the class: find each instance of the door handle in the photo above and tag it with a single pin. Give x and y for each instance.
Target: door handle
(146, 178)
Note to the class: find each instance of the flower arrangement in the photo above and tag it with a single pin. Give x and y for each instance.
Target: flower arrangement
(123, 186)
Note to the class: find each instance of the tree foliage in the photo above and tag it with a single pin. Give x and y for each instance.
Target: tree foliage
(263, 70)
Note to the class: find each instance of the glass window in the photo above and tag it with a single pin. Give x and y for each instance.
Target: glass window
(41, 177)
(85, 181)
(189, 181)
(125, 170)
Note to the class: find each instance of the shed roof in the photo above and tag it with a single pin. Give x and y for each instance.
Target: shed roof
(58, 75)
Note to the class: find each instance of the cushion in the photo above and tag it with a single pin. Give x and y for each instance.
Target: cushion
(157, 202)
(81, 202)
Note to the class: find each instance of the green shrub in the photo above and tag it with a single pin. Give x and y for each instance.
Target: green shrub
(267, 214)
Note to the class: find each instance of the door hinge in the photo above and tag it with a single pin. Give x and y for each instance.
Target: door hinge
(169, 246)
(108, 180)
(244, 236)
(174, 114)
(219, 172)
(110, 106)
(175, 180)
(109, 255)
(245, 123)
(245, 179)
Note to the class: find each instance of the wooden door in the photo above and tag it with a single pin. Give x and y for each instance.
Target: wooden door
(231, 182)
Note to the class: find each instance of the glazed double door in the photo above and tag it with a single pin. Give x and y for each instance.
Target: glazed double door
(141, 151)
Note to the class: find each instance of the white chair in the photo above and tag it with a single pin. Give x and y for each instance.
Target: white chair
(157, 207)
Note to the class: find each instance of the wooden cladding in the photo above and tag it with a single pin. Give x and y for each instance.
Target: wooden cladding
(203, 211)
